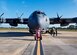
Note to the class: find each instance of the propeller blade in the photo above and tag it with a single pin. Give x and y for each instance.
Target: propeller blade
(17, 15)
(1, 19)
(1, 15)
(21, 15)
(59, 16)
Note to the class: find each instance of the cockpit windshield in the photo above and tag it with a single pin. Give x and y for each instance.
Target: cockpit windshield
(39, 12)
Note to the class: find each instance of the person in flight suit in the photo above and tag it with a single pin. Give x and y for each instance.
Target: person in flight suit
(54, 32)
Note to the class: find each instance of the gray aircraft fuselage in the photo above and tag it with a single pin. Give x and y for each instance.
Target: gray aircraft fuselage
(39, 20)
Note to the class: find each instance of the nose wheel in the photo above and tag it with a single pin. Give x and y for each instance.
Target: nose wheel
(38, 35)
(38, 38)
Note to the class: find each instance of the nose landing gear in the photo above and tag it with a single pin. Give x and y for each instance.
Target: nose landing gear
(38, 35)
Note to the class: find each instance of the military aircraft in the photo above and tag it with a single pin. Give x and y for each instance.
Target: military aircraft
(38, 22)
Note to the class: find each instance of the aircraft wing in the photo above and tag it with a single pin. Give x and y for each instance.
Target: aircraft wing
(14, 21)
(63, 21)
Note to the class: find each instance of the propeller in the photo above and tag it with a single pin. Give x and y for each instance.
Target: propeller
(59, 17)
(1, 15)
(19, 17)
(1, 19)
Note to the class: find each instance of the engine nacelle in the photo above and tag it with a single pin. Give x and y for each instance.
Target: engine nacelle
(64, 24)
(13, 24)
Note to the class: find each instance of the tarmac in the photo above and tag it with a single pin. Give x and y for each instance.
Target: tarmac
(21, 42)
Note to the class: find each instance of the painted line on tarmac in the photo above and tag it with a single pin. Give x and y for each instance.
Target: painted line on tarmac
(38, 48)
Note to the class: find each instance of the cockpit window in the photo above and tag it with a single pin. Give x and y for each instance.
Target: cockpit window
(41, 13)
(38, 12)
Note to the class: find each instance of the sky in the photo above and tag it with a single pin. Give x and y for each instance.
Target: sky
(14, 8)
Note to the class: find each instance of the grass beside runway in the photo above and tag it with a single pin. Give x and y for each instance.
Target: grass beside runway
(14, 29)
(73, 30)
(26, 29)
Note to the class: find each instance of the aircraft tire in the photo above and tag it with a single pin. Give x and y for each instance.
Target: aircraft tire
(34, 38)
(40, 38)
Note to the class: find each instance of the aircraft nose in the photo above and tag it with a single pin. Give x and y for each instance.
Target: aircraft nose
(40, 21)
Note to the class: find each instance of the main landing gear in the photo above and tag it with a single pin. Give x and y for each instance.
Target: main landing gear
(38, 35)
